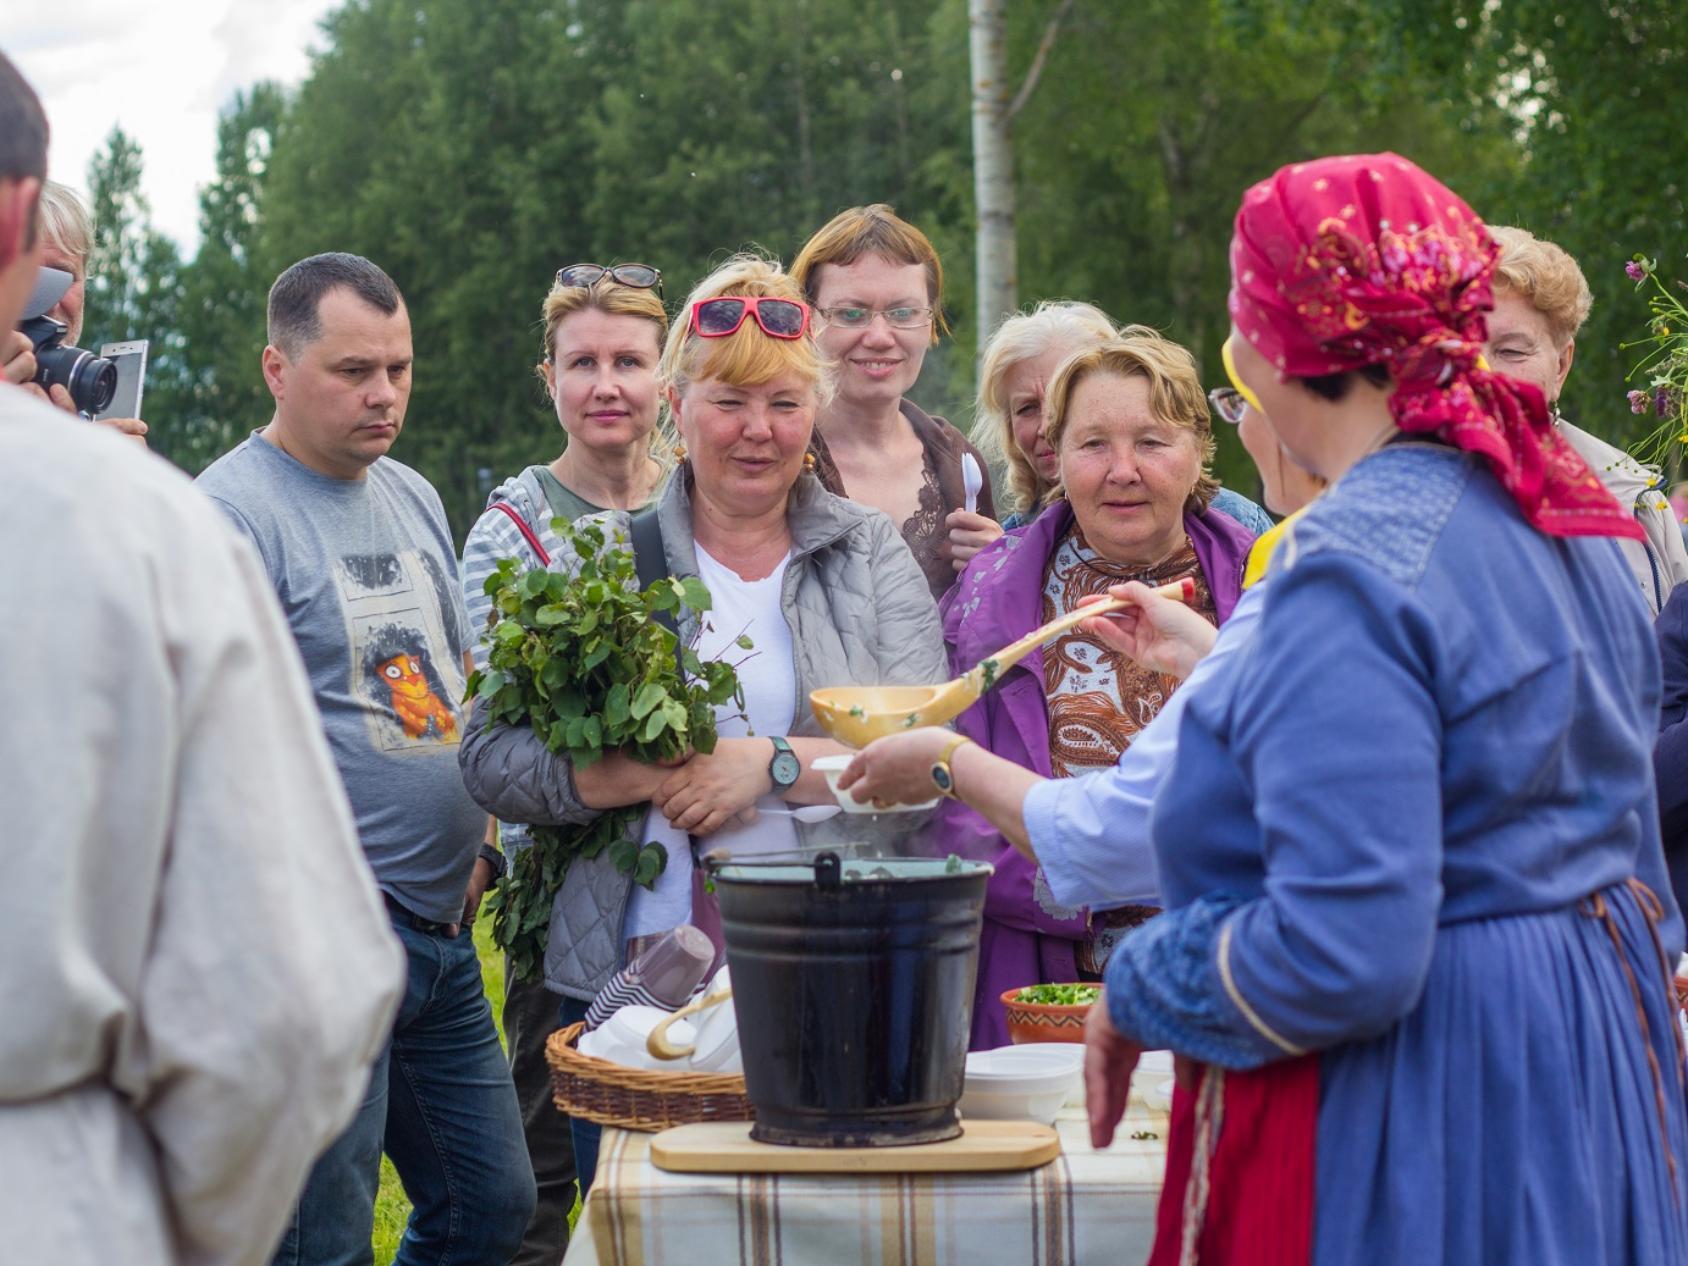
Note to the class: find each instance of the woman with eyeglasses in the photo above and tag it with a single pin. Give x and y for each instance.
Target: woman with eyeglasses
(824, 588)
(1129, 424)
(876, 286)
(604, 329)
(1418, 941)
(1014, 375)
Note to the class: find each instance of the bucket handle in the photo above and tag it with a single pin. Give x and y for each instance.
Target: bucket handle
(659, 1045)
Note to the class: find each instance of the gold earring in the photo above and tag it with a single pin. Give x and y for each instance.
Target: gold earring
(809, 462)
(679, 452)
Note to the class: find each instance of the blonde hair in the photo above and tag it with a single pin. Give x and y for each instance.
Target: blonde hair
(1546, 277)
(872, 230)
(747, 357)
(65, 219)
(608, 296)
(1021, 337)
(1175, 393)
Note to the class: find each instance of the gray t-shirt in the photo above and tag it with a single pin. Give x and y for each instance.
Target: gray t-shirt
(368, 578)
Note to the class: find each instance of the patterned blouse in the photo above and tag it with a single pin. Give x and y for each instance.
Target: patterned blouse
(1098, 699)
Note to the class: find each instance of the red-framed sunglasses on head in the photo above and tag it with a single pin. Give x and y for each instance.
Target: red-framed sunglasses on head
(778, 318)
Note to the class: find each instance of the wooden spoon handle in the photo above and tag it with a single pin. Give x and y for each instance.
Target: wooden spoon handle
(659, 1045)
(1179, 591)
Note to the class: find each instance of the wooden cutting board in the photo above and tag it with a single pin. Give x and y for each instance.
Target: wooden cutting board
(725, 1147)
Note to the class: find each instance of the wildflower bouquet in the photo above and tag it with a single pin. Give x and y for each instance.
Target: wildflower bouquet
(1665, 361)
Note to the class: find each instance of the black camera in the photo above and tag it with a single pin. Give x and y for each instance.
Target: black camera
(91, 380)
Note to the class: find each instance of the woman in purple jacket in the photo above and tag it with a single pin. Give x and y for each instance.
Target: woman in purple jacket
(1130, 423)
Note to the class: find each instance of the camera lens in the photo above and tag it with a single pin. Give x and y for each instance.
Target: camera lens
(91, 380)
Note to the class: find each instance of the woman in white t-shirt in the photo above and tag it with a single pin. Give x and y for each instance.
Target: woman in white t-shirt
(825, 587)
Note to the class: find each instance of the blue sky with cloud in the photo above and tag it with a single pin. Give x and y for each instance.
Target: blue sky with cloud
(160, 68)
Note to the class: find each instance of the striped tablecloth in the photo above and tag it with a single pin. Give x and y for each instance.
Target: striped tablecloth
(1083, 1207)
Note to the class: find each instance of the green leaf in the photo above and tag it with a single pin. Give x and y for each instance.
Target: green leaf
(508, 631)
(696, 593)
(652, 861)
(743, 642)
(655, 724)
(616, 709)
(533, 584)
(649, 696)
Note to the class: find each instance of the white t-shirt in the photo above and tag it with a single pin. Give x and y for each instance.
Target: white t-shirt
(769, 679)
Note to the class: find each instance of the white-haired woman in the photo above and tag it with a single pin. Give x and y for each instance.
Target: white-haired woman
(1008, 418)
(67, 228)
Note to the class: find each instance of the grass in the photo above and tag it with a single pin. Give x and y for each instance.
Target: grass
(392, 1210)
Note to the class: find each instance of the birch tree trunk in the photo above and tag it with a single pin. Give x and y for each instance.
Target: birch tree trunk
(993, 166)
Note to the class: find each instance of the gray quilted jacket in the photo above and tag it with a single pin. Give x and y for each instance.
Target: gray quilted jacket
(860, 613)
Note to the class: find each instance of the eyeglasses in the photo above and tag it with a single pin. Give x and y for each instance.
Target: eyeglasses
(1248, 397)
(637, 276)
(779, 318)
(1227, 404)
(860, 318)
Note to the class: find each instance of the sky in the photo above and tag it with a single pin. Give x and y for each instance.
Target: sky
(163, 69)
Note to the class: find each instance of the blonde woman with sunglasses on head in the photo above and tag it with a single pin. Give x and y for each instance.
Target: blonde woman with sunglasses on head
(825, 588)
(604, 328)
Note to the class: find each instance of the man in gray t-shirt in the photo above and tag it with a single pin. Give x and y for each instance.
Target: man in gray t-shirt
(359, 553)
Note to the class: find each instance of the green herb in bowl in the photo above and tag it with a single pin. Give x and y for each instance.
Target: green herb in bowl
(1059, 995)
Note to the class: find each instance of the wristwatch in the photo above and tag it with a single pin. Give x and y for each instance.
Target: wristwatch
(942, 777)
(785, 769)
(495, 859)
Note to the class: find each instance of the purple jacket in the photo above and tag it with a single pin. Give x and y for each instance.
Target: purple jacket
(1027, 938)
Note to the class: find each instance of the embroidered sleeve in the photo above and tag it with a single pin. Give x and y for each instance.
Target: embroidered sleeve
(1167, 988)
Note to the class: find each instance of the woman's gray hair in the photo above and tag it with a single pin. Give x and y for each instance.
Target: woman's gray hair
(68, 223)
(1021, 337)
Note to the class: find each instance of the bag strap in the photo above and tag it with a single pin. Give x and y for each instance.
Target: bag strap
(650, 561)
(527, 532)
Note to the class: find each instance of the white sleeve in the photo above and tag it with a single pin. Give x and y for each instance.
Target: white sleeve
(272, 974)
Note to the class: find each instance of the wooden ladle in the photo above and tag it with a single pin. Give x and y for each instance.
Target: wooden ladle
(659, 1045)
(857, 715)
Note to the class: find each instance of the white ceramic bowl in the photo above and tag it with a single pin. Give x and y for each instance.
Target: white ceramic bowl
(1016, 1083)
(621, 1038)
(834, 766)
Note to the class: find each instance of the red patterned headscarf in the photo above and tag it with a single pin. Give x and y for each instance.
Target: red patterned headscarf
(1367, 260)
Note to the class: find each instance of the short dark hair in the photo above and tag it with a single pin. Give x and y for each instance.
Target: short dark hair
(1333, 387)
(23, 130)
(297, 295)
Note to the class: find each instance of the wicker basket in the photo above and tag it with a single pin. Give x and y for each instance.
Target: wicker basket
(636, 1098)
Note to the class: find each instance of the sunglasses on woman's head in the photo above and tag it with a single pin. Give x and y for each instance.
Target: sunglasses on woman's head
(778, 318)
(636, 276)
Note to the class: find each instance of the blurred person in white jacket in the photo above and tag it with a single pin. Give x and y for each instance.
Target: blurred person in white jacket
(198, 969)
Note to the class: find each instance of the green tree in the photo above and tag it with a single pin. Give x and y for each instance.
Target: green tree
(1597, 100)
(221, 301)
(134, 274)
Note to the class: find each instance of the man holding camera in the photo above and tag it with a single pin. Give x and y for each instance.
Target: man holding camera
(198, 971)
(358, 548)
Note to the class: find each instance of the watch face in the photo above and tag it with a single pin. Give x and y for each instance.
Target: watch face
(941, 777)
(785, 768)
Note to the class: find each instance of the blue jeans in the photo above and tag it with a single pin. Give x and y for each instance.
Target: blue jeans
(585, 1134)
(441, 1104)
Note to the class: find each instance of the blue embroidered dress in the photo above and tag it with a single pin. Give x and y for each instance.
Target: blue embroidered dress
(1399, 830)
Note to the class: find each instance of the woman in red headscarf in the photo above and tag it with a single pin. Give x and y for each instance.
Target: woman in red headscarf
(1417, 932)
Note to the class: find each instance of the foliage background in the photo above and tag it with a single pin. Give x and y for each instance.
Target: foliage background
(473, 146)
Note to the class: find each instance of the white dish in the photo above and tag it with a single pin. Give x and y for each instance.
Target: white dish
(1014, 1083)
(621, 1038)
(1155, 1062)
(834, 766)
(1159, 1095)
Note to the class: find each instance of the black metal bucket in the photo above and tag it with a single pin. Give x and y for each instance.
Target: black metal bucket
(853, 986)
